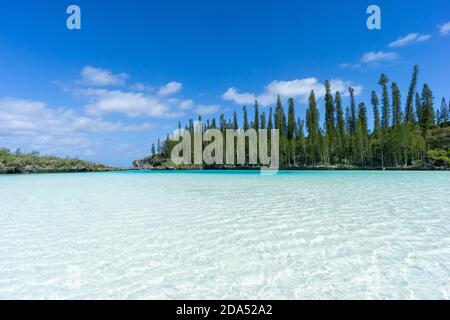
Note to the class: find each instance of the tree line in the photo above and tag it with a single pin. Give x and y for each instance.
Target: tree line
(416, 134)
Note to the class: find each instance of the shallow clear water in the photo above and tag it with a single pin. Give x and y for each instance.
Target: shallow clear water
(189, 235)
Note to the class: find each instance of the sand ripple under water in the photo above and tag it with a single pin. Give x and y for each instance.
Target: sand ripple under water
(234, 235)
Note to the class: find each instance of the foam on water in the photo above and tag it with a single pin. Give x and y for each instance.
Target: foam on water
(234, 235)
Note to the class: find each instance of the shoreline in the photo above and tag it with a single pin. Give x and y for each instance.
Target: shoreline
(318, 168)
(12, 171)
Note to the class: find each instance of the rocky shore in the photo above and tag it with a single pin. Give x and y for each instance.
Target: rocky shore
(159, 164)
(37, 169)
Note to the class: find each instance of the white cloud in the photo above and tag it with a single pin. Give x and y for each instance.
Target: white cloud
(141, 87)
(34, 124)
(379, 56)
(207, 109)
(137, 99)
(240, 98)
(298, 88)
(132, 104)
(350, 65)
(101, 77)
(409, 39)
(170, 88)
(186, 104)
(444, 29)
(294, 88)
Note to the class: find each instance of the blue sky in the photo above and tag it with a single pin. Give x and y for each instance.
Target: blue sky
(108, 91)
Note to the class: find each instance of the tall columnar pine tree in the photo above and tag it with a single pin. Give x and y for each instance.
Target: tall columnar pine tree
(427, 114)
(291, 132)
(280, 118)
(418, 109)
(312, 124)
(256, 121)
(329, 112)
(340, 126)
(348, 120)
(363, 133)
(376, 112)
(262, 120)
(301, 143)
(235, 121)
(385, 110)
(409, 108)
(291, 120)
(353, 124)
(270, 120)
(222, 123)
(354, 119)
(297, 128)
(443, 113)
(246, 125)
(396, 105)
(280, 124)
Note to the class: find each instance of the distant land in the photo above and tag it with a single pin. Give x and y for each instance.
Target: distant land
(19, 162)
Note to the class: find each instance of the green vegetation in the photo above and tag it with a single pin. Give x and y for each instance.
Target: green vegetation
(400, 138)
(19, 162)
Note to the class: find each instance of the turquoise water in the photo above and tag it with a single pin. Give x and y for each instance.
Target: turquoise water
(194, 235)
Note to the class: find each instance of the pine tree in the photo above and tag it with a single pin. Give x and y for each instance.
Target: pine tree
(262, 121)
(270, 125)
(448, 111)
(354, 120)
(235, 121)
(222, 123)
(153, 149)
(363, 134)
(376, 112)
(270, 121)
(418, 108)
(427, 115)
(409, 112)
(340, 125)
(385, 113)
(280, 118)
(348, 120)
(396, 107)
(297, 128)
(329, 112)
(256, 121)
(301, 145)
(246, 125)
(443, 113)
(291, 120)
(312, 124)
(353, 125)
